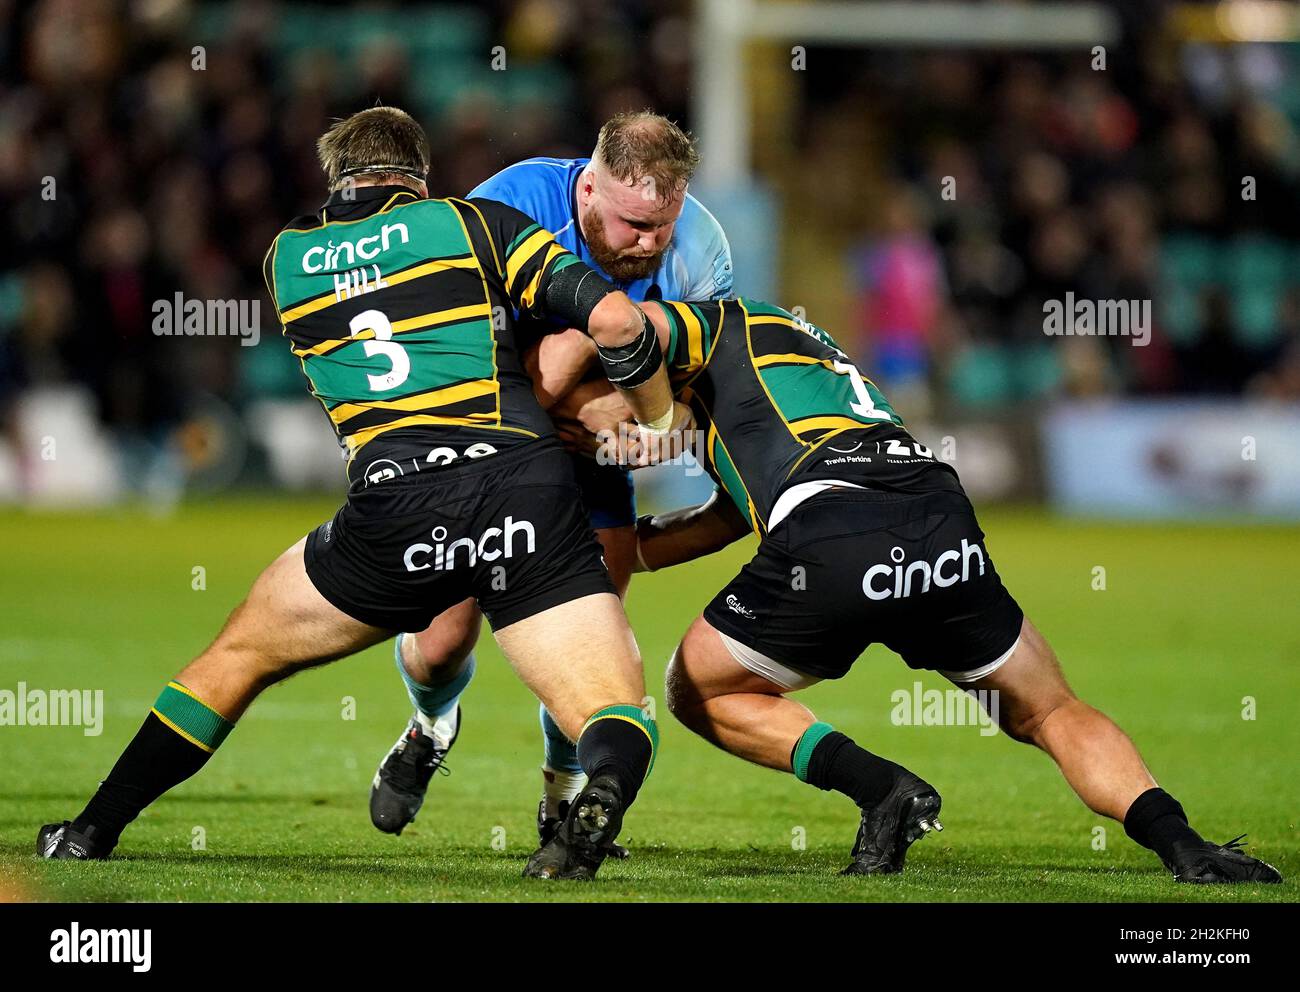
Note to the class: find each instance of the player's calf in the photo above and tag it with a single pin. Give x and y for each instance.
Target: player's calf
(715, 688)
(581, 661)
(284, 626)
(436, 666)
(1103, 766)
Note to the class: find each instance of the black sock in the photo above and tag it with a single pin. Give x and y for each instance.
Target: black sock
(1156, 821)
(175, 741)
(838, 763)
(619, 741)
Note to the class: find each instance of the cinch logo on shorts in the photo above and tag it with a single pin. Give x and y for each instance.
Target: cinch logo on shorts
(417, 556)
(876, 582)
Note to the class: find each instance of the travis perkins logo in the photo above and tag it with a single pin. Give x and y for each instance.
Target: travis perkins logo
(877, 584)
(495, 543)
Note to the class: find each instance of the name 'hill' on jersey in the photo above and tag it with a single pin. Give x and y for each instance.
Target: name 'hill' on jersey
(401, 311)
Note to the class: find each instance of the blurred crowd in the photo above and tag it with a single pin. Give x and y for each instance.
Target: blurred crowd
(156, 147)
(990, 184)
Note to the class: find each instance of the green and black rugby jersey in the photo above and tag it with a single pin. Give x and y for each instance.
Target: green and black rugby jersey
(402, 313)
(781, 404)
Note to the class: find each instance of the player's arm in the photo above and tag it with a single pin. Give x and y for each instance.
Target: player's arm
(557, 363)
(542, 279)
(684, 535)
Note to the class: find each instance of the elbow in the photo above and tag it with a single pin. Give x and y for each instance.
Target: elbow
(615, 322)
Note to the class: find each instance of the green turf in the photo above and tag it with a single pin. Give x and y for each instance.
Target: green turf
(1193, 619)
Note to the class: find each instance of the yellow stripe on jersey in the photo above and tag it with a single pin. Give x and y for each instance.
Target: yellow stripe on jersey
(749, 345)
(694, 335)
(816, 445)
(360, 438)
(496, 258)
(523, 254)
(526, 297)
(438, 397)
(762, 361)
(831, 422)
(482, 278)
(756, 523)
(420, 323)
(329, 299)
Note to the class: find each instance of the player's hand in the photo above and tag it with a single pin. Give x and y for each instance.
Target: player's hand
(557, 363)
(643, 448)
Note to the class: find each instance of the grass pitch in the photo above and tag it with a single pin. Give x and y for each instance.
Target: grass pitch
(1195, 625)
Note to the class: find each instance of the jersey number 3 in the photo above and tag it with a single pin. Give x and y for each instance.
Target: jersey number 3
(382, 344)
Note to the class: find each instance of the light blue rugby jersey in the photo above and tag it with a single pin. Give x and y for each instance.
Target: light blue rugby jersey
(696, 265)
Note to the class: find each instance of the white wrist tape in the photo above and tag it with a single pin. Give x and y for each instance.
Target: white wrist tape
(659, 426)
(640, 558)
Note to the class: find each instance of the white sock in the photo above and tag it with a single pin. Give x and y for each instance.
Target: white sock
(558, 787)
(442, 729)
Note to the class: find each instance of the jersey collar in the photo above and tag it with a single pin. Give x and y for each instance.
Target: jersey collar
(362, 201)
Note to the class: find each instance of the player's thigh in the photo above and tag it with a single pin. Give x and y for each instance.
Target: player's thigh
(703, 668)
(609, 497)
(619, 547)
(284, 625)
(577, 657)
(450, 638)
(1028, 685)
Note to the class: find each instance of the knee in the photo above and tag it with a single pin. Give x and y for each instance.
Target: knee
(1025, 724)
(438, 653)
(675, 685)
(680, 691)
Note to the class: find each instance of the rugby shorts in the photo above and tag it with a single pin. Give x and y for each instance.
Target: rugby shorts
(509, 530)
(607, 492)
(849, 568)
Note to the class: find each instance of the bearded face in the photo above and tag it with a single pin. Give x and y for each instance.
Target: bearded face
(627, 231)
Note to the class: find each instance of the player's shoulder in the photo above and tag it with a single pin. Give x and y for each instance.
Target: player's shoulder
(536, 175)
(761, 308)
(703, 253)
(302, 224)
(791, 321)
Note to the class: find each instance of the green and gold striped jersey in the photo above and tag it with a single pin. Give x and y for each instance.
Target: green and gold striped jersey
(781, 403)
(402, 313)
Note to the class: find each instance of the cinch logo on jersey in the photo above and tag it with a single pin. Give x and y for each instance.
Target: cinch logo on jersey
(346, 253)
(896, 582)
(495, 543)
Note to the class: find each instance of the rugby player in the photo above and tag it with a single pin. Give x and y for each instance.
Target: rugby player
(401, 310)
(625, 212)
(863, 537)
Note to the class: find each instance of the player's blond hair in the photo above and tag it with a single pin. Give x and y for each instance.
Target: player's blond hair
(645, 148)
(379, 143)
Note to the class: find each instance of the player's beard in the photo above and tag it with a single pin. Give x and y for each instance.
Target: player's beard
(620, 268)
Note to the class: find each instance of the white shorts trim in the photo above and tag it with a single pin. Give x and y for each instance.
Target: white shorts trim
(978, 673)
(763, 666)
(800, 493)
